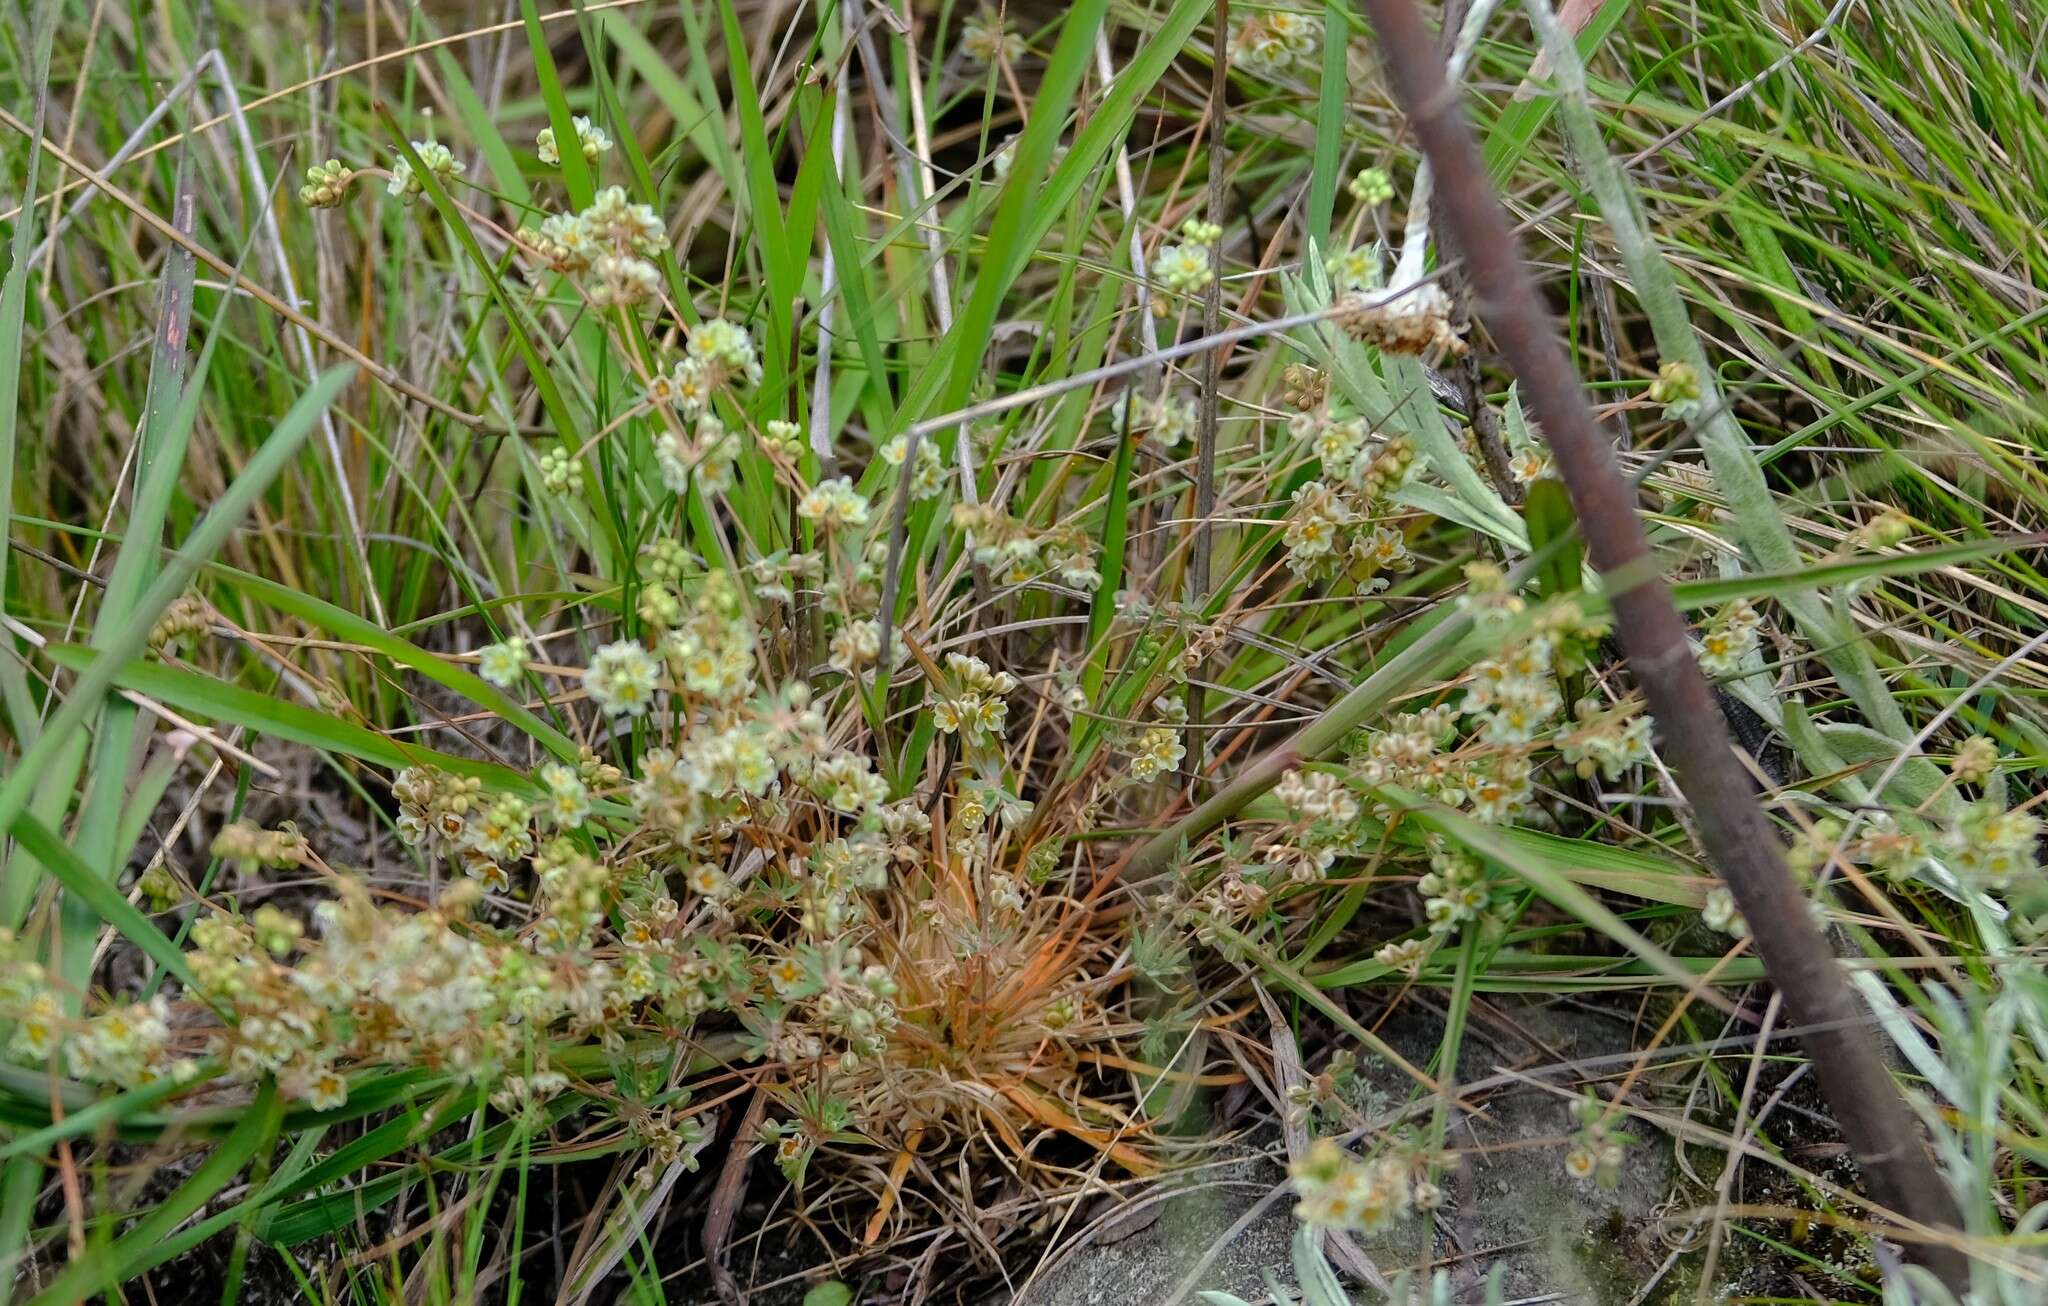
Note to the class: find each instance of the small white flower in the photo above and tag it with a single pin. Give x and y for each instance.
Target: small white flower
(725, 349)
(834, 503)
(621, 678)
(326, 1090)
(437, 159)
(1158, 752)
(1720, 914)
(568, 800)
(502, 664)
(855, 645)
(591, 138)
(1183, 269)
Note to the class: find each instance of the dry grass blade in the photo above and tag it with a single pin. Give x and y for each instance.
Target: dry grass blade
(255, 290)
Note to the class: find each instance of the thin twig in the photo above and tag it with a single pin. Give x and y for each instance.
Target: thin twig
(1737, 835)
(725, 1199)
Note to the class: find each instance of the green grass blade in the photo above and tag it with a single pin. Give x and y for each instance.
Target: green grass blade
(205, 540)
(216, 700)
(91, 887)
(342, 624)
(144, 1243)
(575, 168)
(1330, 119)
(14, 695)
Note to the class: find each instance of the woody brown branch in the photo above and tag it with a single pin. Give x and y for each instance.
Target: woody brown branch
(1739, 839)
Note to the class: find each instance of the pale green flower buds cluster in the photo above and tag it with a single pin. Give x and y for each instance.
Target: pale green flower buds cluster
(783, 437)
(183, 622)
(606, 247)
(1372, 186)
(561, 472)
(1677, 387)
(250, 848)
(326, 184)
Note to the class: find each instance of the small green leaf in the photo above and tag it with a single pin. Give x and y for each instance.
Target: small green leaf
(1553, 536)
(1919, 783)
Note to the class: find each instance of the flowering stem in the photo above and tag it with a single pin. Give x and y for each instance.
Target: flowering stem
(1738, 837)
(1422, 659)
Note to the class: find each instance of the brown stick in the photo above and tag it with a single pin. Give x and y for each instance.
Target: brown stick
(1212, 365)
(1738, 837)
(725, 1201)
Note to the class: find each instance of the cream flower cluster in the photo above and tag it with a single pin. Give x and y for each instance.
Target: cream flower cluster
(1339, 1191)
(1020, 553)
(978, 705)
(1995, 848)
(379, 986)
(1322, 817)
(605, 249)
(1455, 891)
(125, 1045)
(1272, 42)
(928, 476)
(1341, 526)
